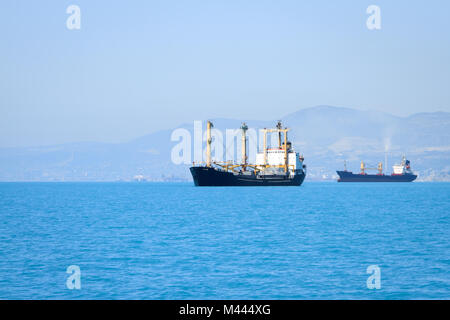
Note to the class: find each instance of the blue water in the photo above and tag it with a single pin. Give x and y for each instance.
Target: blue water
(175, 241)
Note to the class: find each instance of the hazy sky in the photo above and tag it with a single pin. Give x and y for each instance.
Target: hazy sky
(138, 66)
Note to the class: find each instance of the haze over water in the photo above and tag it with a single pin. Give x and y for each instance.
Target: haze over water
(175, 241)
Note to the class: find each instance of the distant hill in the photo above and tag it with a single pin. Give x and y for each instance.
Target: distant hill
(325, 135)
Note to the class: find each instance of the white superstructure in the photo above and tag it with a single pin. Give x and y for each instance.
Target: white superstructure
(398, 169)
(276, 160)
(403, 168)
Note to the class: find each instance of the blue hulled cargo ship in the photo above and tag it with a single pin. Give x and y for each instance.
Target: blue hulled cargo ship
(401, 173)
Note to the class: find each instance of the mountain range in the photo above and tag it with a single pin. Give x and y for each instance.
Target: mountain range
(325, 135)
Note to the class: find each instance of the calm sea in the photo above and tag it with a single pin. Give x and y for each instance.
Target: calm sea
(175, 241)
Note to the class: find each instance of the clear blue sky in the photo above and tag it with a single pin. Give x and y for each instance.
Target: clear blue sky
(140, 66)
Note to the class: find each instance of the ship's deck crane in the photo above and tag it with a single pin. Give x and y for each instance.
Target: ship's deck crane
(279, 129)
(364, 168)
(230, 166)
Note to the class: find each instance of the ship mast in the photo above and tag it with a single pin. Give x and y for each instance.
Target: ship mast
(208, 143)
(265, 147)
(285, 148)
(244, 128)
(380, 168)
(279, 127)
(280, 130)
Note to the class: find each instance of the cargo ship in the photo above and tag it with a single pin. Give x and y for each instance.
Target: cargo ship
(401, 173)
(279, 166)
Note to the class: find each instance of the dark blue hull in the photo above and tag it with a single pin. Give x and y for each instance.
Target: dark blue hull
(204, 176)
(346, 176)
